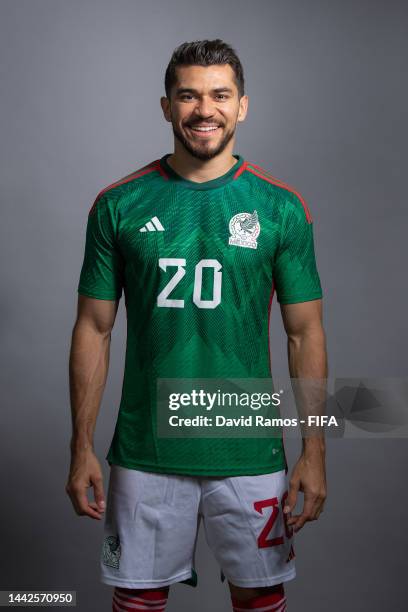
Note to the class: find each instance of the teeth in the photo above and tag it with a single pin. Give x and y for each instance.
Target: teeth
(205, 129)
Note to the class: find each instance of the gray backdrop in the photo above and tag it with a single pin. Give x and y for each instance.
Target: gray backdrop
(327, 113)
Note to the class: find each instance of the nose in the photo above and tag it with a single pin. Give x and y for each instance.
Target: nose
(205, 107)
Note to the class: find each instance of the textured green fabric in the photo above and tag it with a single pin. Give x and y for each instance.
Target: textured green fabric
(212, 320)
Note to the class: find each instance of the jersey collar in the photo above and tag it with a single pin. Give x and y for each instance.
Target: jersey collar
(229, 176)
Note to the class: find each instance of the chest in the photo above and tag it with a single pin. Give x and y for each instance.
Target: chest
(230, 230)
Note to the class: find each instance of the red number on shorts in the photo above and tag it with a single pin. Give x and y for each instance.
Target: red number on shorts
(263, 542)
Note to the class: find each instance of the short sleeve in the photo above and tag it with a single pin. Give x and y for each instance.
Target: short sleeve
(295, 274)
(102, 269)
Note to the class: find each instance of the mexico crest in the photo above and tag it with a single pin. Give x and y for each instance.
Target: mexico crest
(244, 229)
(111, 551)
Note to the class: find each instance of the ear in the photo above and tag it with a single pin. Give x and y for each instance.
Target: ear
(243, 108)
(165, 104)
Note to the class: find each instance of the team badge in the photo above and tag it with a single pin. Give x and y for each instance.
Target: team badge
(244, 229)
(111, 551)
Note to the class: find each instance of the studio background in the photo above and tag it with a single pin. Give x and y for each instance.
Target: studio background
(80, 108)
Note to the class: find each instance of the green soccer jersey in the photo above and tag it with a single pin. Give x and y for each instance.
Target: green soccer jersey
(199, 264)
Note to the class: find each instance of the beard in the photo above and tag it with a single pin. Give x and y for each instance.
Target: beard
(203, 150)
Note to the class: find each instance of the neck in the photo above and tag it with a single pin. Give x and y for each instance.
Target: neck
(199, 170)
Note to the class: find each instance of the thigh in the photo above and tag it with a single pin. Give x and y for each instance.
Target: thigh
(150, 528)
(246, 529)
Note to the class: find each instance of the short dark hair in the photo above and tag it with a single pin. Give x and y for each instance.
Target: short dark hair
(204, 53)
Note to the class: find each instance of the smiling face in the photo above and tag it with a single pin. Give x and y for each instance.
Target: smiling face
(204, 109)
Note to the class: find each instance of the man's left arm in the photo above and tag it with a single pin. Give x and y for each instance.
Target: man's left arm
(307, 357)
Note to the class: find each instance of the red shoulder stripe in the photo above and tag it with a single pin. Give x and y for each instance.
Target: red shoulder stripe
(161, 170)
(264, 174)
(240, 170)
(130, 177)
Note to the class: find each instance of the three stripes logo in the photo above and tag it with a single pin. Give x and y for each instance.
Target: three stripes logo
(153, 225)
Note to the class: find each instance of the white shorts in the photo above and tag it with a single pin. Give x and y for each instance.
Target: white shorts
(152, 521)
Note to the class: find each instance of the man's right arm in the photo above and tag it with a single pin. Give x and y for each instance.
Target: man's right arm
(88, 370)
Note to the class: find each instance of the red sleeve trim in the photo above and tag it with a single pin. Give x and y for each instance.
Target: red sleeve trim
(269, 322)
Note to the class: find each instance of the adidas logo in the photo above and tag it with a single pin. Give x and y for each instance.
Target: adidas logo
(152, 226)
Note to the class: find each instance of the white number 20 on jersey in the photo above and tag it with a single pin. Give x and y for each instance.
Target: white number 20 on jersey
(163, 300)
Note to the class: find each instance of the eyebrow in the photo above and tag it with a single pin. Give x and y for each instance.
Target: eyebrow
(182, 90)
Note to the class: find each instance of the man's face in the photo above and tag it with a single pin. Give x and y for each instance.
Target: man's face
(204, 97)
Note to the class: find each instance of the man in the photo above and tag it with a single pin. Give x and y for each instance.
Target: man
(199, 240)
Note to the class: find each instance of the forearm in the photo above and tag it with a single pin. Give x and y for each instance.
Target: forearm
(88, 369)
(307, 358)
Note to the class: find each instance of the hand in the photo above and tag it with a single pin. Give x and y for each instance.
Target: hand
(85, 472)
(308, 476)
